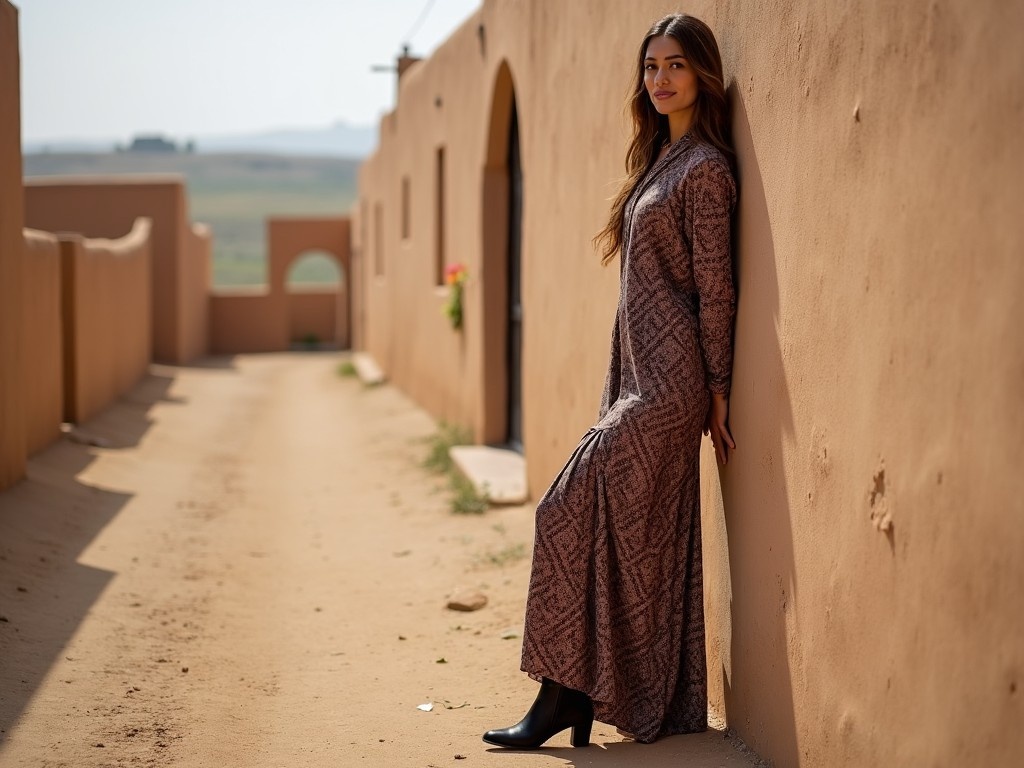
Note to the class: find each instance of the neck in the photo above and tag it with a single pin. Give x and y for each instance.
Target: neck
(679, 123)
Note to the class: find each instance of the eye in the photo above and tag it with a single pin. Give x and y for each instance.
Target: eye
(648, 67)
(677, 65)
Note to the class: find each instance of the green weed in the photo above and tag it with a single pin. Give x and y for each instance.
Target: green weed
(447, 435)
(513, 553)
(464, 498)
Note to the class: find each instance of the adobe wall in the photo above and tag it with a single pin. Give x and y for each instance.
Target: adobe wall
(40, 326)
(107, 315)
(312, 314)
(862, 568)
(195, 280)
(288, 238)
(12, 427)
(270, 319)
(106, 207)
(246, 320)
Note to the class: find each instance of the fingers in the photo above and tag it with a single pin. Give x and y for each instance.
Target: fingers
(724, 432)
(716, 440)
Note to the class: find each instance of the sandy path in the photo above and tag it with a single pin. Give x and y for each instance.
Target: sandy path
(253, 573)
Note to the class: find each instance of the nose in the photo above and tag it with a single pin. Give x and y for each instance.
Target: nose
(661, 76)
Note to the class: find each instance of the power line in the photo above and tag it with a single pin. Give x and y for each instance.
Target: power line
(419, 21)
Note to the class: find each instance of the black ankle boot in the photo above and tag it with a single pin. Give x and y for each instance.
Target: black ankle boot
(555, 709)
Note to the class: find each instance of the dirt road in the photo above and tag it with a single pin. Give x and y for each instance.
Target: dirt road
(252, 572)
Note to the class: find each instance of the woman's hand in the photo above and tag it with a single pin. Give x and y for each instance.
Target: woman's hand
(715, 425)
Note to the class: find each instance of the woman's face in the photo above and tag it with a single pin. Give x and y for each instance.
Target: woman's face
(670, 80)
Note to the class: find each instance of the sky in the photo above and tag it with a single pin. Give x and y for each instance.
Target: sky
(110, 69)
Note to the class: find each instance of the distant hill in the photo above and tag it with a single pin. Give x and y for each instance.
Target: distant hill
(233, 193)
(338, 140)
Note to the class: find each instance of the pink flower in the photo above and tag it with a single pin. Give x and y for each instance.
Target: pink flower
(455, 274)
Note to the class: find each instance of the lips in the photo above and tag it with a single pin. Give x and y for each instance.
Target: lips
(663, 94)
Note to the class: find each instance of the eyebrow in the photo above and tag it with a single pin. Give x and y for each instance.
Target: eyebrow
(672, 56)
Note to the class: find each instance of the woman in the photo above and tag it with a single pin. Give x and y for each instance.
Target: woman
(614, 619)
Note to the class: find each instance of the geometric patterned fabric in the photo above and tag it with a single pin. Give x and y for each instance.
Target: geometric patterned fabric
(615, 607)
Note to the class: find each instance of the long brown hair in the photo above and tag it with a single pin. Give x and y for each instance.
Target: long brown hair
(650, 129)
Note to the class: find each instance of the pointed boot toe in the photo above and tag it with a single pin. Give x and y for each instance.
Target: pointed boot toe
(555, 709)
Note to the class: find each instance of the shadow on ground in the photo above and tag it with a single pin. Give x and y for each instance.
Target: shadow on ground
(699, 750)
(46, 521)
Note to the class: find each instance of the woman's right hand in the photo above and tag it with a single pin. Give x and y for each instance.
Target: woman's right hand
(716, 425)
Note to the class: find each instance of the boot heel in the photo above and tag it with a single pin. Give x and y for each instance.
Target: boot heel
(581, 734)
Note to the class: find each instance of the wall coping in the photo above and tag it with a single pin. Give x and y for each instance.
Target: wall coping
(126, 244)
(111, 180)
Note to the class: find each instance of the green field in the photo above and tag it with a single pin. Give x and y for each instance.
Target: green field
(234, 194)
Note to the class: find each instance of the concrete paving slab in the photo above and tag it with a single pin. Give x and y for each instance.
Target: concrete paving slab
(497, 473)
(367, 369)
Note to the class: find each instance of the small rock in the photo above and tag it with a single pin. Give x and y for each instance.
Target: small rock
(184, 669)
(99, 744)
(467, 600)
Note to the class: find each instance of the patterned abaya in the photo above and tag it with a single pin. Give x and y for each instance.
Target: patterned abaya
(615, 606)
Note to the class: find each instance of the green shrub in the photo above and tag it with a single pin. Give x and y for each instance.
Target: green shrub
(464, 500)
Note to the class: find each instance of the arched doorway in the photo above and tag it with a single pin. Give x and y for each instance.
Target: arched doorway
(305, 250)
(502, 422)
(313, 283)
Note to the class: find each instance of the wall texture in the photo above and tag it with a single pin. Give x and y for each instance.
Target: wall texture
(42, 338)
(12, 426)
(862, 551)
(107, 315)
(106, 207)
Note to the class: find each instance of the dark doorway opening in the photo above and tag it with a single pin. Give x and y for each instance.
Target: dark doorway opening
(515, 304)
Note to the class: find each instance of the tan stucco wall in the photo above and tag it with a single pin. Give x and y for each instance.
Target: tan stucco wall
(196, 280)
(42, 337)
(312, 312)
(106, 207)
(878, 369)
(246, 320)
(107, 315)
(288, 238)
(269, 319)
(12, 427)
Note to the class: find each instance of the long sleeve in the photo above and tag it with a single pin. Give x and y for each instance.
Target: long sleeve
(711, 195)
